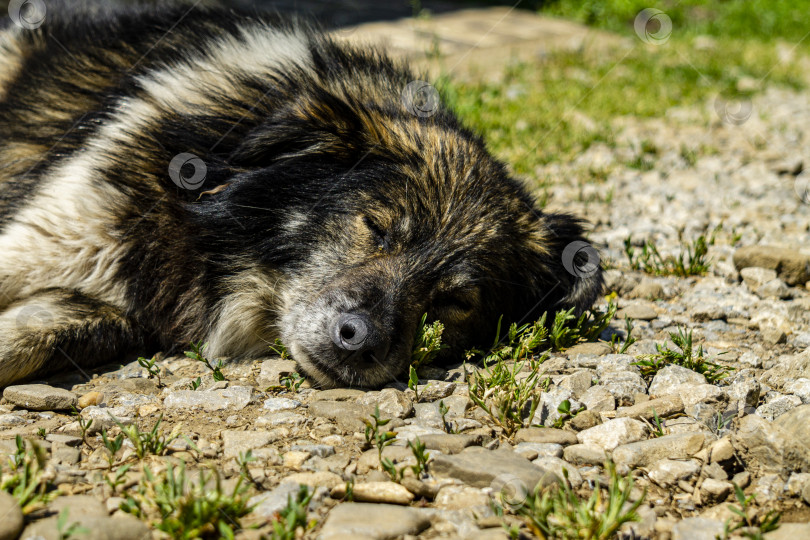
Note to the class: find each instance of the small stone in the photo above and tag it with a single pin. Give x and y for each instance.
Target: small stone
(283, 418)
(40, 397)
(11, 420)
(777, 406)
(393, 403)
(715, 491)
(232, 398)
(668, 379)
(742, 479)
(239, 442)
(583, 454)
(274, 369)
(665, 406)
(428, 414)
(436, 390)
(613, 433)
(796, 424)
(320, 450)
(772, 447)
(722, 450)
(598, 399)
(790, 265)
(799, 388)
(448, 443)
(775, 288)
(280, 404)
(376, 521)
(773, 335)
(645, 453)
(269, 503)
(453, 497)
(585, 420)
(339, 394)
(744, 392)
(623, 385)
(556, 465)
(539, 450)
(348, 416)
(315, 479)
(578, 383)
(90, 398)
(697, 528)
(545, 435)
(796, 483)
(294, 460)
(667, 472)
(591, 347)
(480, 468)
(118, 527)
(641, 312)
(375, 492)
(12, 523)
(647, 290)
(751, 359)
(789, 531)
(755, 277)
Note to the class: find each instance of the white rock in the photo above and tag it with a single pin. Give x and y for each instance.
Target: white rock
(613, 433)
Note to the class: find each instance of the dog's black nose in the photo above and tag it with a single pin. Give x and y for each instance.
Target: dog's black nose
(355, 334)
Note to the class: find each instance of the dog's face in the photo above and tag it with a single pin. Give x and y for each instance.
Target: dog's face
(380, 225)
(456, 240)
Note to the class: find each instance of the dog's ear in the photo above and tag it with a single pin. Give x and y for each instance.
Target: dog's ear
(569, 270)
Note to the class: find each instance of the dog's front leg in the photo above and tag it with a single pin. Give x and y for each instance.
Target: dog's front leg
(60, 328)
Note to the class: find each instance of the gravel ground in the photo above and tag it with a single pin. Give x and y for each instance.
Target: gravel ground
(692, 171)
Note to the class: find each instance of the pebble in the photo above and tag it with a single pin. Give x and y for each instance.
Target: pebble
(479, 468)
(348, 416)
(715, 491)
(641, 312)
(118, 527)
(315, 479)
(376, 521)
(12, 522)
(697, 528)
(613, 433)
(766, 447)
(40, 397)
(645, 453)
(539, 449)
(235, 443)
(393, 403)
(755, 277)
(663, 407)
(450, 443)
(670, 378)
(583, 454)
(375, 492)
(791, 266)
(546, 435)
(777, 406)
(283, 418)
(233, 398)
(90, 398)
(269, 503)
(453, 497)
(280, 404)
(789, 531)
(598, 399)
(667, 472)
(274, 369)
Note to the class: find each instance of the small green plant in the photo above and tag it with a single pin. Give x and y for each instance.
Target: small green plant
(66, 530)
(692, 260)
(25, 479)
(378, 437)
(413, 382)
(748, 523)
(117, 479)
(41, 433)
(559, 513)
(419, 453)
(658, 426)
(84, 426)
(293, 381)
(280, 349)
(195, 383)
(146, 443)
(112, 445)
(428, 343)
(443, 410)
(564, 408)
(615, 341)
(685, 355)
(197, 353)
(292, 520)
(188, 510)
(152, 368)
(509, 399)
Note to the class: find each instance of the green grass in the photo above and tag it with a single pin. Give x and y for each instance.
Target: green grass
(552, 110)
(747, 521)
(692, 260)
(23, 477)
(685, 355)
(560, 513)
